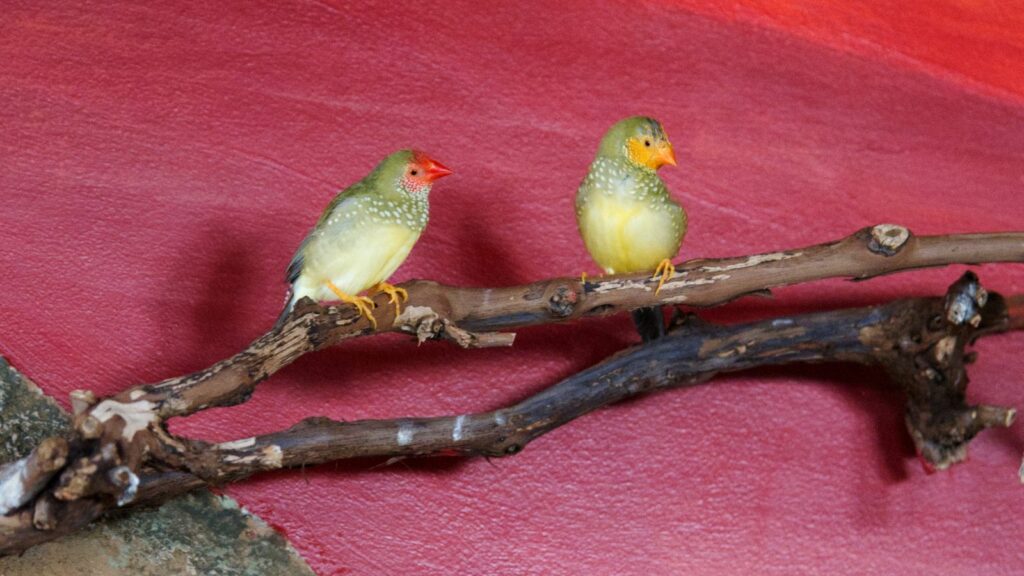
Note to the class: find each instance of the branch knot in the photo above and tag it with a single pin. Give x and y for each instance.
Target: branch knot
(888, 239)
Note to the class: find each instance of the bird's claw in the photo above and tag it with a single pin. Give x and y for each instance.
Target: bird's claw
(395, 294)
(363, 304)
(665, 270)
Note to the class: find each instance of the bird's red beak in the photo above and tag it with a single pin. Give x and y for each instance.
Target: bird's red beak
(434, 170)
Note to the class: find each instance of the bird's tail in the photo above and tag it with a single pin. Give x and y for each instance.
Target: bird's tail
(289, 303)
(650, 322)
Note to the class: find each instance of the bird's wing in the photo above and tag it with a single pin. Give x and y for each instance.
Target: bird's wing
(337, 212)
(295, 266)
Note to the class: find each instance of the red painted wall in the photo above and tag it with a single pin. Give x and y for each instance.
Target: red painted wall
(159, 164)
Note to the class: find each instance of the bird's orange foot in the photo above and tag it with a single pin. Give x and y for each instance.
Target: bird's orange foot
(395, 295)
(666, 270)
(363, 304)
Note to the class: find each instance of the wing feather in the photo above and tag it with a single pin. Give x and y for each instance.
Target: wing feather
(337, 212)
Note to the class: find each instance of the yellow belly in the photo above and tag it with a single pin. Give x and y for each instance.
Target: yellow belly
(353, 262)
(625, 236)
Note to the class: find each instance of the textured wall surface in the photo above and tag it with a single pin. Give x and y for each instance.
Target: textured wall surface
(159, 164)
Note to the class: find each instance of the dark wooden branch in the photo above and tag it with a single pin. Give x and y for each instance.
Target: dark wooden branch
(920, 342)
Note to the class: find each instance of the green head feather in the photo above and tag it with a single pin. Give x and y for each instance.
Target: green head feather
(614, 143)
(388, 175)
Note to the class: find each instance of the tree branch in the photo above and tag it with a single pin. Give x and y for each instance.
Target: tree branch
(121, 452)
(438, 311)
(919, 341)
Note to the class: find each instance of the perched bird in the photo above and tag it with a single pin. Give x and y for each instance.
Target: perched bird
(626, 216)
(364, 234)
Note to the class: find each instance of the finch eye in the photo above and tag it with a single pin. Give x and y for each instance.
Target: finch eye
(647, 143)
(414, 172)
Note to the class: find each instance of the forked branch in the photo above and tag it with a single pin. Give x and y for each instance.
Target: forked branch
(121, 452)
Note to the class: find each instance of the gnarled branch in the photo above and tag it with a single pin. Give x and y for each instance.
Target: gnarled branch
(435, 310)
(920, 342)
(121, 450)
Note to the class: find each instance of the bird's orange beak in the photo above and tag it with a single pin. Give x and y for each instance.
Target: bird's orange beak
(664, 155)
(434, 170)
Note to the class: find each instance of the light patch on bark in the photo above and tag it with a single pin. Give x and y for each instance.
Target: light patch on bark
(891, 237)
(965, 305)
(615, 285)
(81, 400)
(270, 456)
(237, 444)
(753, 261)
(273, 456)
(944, 348)
(137, 415)
(129, 492)
(404, 436)
(413, 315)
(420, 320)
(679, 284)
(13, 478)
(457, 429)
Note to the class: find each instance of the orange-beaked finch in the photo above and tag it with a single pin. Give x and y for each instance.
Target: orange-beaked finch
(626, 216)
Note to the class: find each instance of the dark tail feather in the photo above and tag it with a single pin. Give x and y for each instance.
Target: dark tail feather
(285, 312)
(650, 322)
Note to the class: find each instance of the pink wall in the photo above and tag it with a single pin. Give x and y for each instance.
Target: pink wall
(159, 164)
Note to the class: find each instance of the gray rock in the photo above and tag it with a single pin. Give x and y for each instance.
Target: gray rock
(198, 533)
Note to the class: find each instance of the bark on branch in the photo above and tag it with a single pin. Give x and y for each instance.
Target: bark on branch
(471, 316)
(920, 342)
(121, 451)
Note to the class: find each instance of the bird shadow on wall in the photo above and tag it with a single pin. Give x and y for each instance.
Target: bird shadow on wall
(483, 259)
(221, 307)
